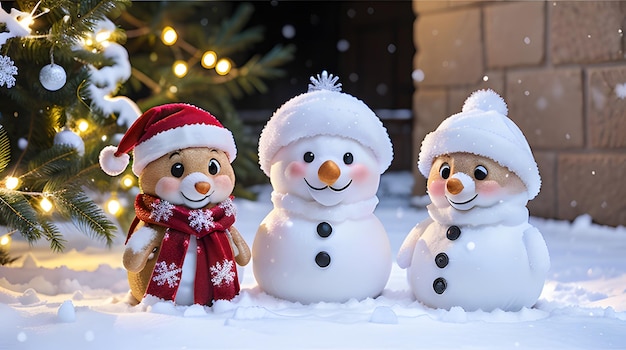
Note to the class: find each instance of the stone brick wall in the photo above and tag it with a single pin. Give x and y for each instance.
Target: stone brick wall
(561, 67)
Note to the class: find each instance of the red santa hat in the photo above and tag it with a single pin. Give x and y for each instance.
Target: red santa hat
(483, 128)
(165, 129)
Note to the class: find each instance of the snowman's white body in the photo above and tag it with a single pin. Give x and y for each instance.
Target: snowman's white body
(488, 267)
(480, 253)
(322, 245)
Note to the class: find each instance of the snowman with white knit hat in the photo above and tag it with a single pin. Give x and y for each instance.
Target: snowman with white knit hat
(477, 250)
(324, 152)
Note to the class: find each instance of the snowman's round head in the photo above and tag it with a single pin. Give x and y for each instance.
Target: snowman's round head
(324, 111)
(483, 128)
(326, 169)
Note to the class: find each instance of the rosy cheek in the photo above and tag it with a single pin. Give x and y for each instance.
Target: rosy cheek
(166, 186)
(437, 188)
(360, 173)
(488, 188)
(295, 170)
(222, 182)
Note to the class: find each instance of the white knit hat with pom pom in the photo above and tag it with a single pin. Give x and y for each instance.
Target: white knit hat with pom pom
(483, 128)
(324, 110)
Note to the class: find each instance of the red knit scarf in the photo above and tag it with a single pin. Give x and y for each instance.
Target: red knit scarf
(216, 273)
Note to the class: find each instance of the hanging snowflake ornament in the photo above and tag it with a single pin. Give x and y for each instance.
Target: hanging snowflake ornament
(325, 81)
(8, 70)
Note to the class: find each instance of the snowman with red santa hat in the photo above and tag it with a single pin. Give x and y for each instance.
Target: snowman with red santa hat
(477, 250)
(324, 151)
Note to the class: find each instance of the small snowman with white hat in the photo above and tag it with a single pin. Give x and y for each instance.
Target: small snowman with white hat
(324, 152)
(477, 250)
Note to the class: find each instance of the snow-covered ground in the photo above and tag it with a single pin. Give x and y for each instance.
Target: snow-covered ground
(76, 299)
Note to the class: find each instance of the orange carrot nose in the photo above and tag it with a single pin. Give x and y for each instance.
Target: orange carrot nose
(329, 172)
(454, 186)
(202, 187)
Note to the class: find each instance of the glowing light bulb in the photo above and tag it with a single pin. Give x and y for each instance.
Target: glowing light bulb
(5, 240)
(103, 36)
(209, 59)
(169, 36)
(223, 66)
(127, 181)
(83, 125)
(45, 204)
(180, 68)
(113, 206)
(11, 182)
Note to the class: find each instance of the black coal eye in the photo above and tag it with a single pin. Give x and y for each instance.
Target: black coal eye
(214, 166)
(348, 158)
(308, 157)
(177, 170)
(444, 170)
(480, 173)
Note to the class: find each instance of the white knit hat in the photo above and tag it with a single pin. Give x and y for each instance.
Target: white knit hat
(324, 110)
(163, 129)
(483, 128)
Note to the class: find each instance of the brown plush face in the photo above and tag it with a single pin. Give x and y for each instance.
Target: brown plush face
(194, 177)
(465, 180)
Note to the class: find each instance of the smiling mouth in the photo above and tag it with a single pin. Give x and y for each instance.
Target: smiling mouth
(325, 187)
(461, 203)
(196, 200)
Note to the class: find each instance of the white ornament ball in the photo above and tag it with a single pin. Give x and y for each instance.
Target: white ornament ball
(69, 138)
(52, 77)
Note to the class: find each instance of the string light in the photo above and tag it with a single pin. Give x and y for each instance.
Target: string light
(11, 182)
(180, 68)
(113, 206)
(82, 125)
(169, 36)
(209, 59)
(127, 181)
(223, 66)
(103, 36)
(5, 241)
(45, 204)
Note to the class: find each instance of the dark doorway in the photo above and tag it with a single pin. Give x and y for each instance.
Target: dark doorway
(367, 44)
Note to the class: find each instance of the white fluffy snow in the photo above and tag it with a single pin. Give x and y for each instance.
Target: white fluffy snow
(76, 299)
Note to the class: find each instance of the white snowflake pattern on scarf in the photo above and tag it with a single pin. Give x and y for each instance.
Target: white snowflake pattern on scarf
(201, 219)
(161, 211)
(229, 207)
(164, 273)
(222, 273)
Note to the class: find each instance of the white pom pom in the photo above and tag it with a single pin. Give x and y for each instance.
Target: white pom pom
(485, 100)
(111, 164)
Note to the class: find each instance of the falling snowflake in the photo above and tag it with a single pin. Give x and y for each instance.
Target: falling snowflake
(164, 273)
(222, 273)
(7, 71)
(201, 220)
(229, 207)
(161, 211)
(620, 90)
(325, 82)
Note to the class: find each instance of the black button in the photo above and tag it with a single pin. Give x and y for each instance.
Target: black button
(324, 229)
(439, 285)
(441, 260)
(322, 259)
(453, 233)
